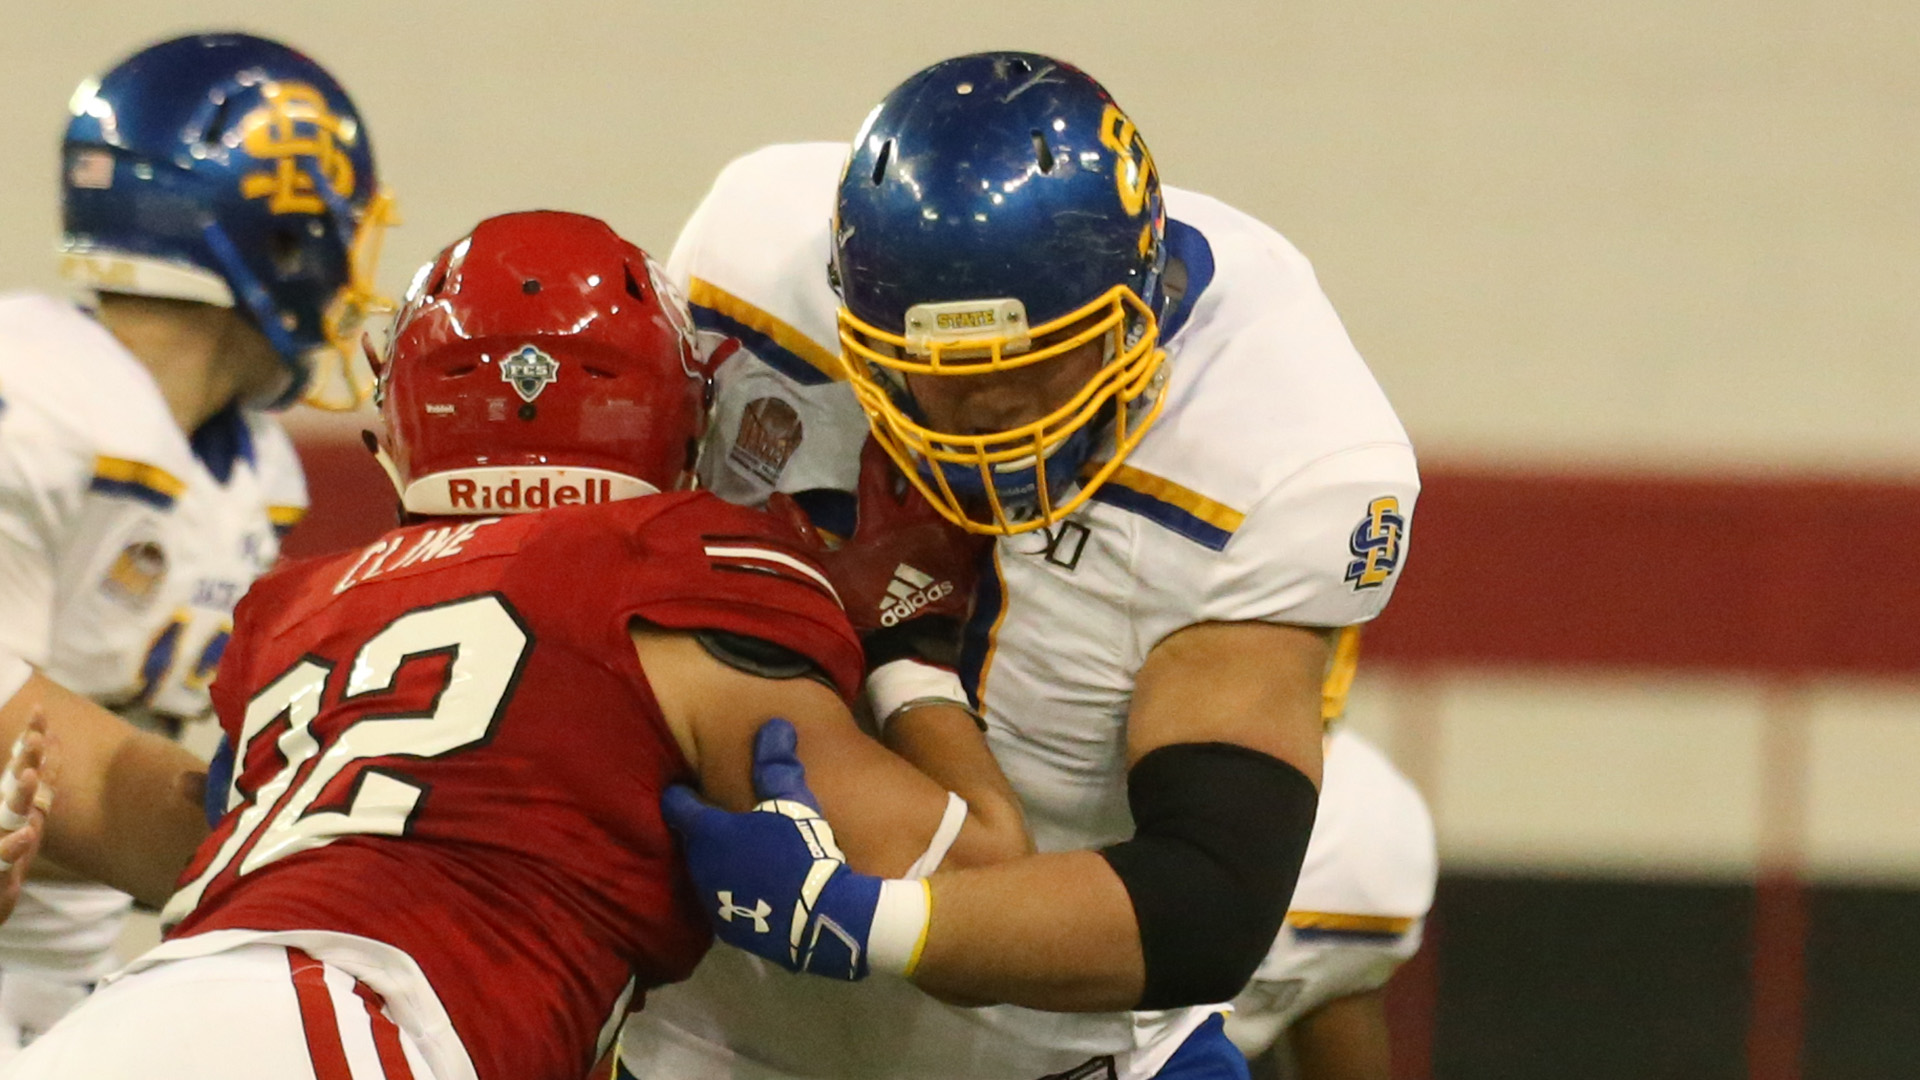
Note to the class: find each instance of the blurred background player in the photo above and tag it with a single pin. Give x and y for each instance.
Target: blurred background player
(482, 710)
(221, 204)
(1314, 1009)
(1193, 480)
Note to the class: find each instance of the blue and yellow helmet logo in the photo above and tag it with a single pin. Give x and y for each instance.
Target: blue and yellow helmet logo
(307, 144)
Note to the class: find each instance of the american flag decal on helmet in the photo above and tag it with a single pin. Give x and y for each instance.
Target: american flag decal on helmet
(756, 557)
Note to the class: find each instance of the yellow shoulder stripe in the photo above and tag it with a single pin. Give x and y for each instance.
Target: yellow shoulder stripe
(138, 473)
(1352, 924)
(704, 293)
(1218, 515)
(286, 517)
(1340, 671)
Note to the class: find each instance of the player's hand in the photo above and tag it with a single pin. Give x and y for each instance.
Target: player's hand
(775, 883)
(904, 562)
(24, 800)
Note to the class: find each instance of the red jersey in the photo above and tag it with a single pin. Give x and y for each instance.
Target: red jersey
(444, 742)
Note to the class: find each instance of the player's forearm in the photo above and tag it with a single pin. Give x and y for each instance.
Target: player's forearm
(152, 817)
(945, 743)
(1052, 932)
(126, 801)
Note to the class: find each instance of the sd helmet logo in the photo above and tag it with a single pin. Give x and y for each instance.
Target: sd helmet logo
(529, 370)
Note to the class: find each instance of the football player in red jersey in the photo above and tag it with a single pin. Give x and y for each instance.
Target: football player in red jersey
(442, 853)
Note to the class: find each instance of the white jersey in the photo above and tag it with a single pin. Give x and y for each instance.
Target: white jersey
(1361, 902)
(1275, 486)
(121, 554)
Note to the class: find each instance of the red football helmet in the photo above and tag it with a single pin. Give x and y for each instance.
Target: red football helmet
(541, 361)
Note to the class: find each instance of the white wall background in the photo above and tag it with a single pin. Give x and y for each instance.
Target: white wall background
(1677, 232)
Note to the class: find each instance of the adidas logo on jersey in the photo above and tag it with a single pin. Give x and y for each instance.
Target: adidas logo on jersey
(910, 591)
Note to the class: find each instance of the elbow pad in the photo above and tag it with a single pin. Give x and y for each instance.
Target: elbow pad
(1220, 832)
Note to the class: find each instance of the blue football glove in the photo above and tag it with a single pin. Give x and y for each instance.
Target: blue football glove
(777, 884)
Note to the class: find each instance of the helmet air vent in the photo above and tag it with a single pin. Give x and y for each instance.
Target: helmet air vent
(1044, 152)
(633, 284)
(217, 123)
(880, 162)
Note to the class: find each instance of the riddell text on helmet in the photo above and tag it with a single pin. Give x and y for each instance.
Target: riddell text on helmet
(513, 495)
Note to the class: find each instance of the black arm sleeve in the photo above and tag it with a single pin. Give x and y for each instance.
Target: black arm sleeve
(757, 656)
(1220, 832)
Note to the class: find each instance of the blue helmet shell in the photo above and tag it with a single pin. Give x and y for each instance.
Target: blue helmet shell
(997, 175)
(225, 155)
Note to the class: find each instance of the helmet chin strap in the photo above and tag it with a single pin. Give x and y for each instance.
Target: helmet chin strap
(380, 455)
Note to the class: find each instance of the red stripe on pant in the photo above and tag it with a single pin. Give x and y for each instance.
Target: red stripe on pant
(386, 1035)
(322, 1025)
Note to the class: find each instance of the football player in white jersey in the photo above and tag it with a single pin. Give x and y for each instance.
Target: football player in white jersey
(1193, 482)
(221, 204)
(1357, 915)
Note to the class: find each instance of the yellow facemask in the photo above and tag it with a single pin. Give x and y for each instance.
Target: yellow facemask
(971, 339)
(337, 383)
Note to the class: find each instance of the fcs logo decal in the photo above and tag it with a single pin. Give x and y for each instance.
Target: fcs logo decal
(1133, 165)
(297, 131)
(1376, 543)
(529, 370)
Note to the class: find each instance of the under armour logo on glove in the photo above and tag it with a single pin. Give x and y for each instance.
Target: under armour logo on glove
(839, 922)
(758, 912)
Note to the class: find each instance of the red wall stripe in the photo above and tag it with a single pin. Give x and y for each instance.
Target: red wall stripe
(1748, 575)
(1737, 574)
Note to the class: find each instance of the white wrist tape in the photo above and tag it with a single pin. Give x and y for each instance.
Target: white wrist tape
(894, 685)
(900, 924)
(943, 837)
(10, 787)
(14, 673)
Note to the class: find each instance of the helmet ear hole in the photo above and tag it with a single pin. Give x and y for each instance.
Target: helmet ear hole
(1043, 152)
(286, 248)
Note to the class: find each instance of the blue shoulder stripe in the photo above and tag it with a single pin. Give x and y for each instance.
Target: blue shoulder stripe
(786, 349)
(1167, 504)
(125, 479)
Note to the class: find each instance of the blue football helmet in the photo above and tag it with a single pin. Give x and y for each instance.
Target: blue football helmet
(229, 170)
(999, 210)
